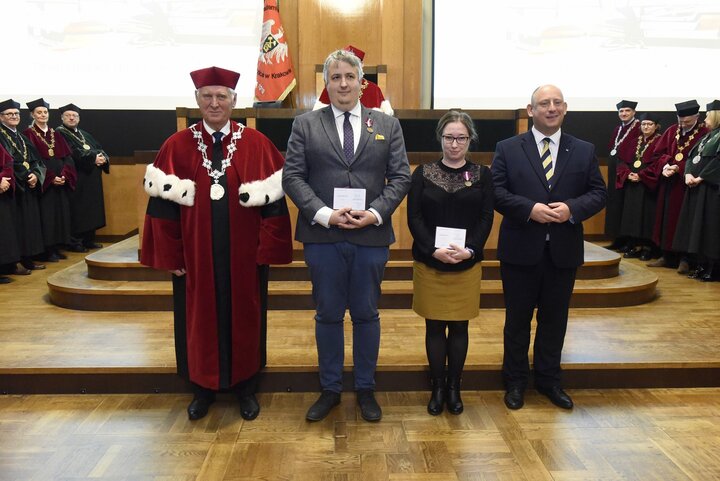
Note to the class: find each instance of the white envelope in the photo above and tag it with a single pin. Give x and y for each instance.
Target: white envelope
(346, 197)
(444, 236)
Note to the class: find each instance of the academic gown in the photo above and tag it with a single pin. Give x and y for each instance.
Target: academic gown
(698, 230)
(225, 246)
(55, 199)
(671, 190)
(9, 247)
(26, 161)
(625, 136)
(638, 209)
(87, 204)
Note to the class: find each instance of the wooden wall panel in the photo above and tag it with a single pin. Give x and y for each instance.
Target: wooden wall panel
(120, 200)
(388, 32)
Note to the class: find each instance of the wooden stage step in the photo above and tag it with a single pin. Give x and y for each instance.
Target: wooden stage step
(119, 262)
(113, 280)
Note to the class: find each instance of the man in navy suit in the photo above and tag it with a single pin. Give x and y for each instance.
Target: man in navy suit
(546, 184)
(348, 146)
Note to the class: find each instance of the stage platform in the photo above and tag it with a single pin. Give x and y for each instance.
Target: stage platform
(113, 279)
(669, 340)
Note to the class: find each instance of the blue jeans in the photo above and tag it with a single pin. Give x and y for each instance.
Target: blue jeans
(346, 276)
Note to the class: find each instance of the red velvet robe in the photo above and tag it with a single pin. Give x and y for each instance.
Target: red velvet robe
(671, 190)
(60, 163)
(626, 166)
(178, 177)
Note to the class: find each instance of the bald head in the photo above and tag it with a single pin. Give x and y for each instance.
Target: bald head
(547, 108)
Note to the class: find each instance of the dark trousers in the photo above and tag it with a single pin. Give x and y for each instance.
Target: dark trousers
(346, 276)
(547, 288)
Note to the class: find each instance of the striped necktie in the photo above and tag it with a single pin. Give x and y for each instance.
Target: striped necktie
(546, 159)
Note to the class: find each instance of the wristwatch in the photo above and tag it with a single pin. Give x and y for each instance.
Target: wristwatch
(472, 252)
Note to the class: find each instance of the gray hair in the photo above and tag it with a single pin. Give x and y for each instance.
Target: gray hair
(456, 116)
(231, 92)
(342, 56)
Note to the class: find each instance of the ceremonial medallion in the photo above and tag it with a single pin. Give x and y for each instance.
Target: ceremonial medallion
(679, 156)
(613, 152)
(86, 147)
(466, 176)
(696, 159)
(26, 165)
(51, 152)
(637, 164)
(216, 192)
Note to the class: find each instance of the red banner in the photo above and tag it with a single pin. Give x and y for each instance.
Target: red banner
(275, 74)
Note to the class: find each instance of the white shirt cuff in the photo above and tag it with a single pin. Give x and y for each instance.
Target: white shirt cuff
(322, 217)
(377, 214)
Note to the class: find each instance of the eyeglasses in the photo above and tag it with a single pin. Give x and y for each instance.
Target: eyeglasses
(11, 114)
(449, 139)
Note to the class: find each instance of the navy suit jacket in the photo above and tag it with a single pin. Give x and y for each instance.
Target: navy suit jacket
(520, 182)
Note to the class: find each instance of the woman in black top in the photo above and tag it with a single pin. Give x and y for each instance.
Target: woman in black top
(453, 193)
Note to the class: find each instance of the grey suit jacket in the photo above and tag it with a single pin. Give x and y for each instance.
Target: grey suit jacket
(315, 165)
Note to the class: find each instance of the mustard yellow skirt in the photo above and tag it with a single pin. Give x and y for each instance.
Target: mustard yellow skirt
(446, 296)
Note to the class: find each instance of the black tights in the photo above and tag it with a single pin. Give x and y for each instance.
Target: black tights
(454, 347)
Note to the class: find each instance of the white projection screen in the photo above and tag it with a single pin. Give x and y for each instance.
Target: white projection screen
(492, 54)
(134, 54)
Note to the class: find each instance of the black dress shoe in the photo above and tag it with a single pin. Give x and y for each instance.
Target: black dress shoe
(91, 245)
(199, 407)
(60, 255)
(454, 401)
(5, 280)
(31, 266)
(369, 408)
(52, 257)
(557, 396)
(76, 248)
(437, 397)
(514, 398)
(697, 273)
(249, 407)
(632, 254)
(645, 255)
(322, 407)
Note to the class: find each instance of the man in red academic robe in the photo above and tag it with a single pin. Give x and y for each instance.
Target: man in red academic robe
(216, 219)
(622, 150)
(370, 94)
(668, 167)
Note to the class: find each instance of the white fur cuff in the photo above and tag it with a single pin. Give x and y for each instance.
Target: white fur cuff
(170, 187)
(261, 192)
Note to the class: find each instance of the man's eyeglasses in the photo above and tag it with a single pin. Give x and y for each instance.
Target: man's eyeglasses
(449, 139)
(11, 114)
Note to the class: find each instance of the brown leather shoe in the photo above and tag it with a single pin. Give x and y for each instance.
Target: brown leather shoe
(20, 270)
(683, 267)
(661, 262)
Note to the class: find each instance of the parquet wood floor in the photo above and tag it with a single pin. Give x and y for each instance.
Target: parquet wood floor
(613, 435)
(679, 328)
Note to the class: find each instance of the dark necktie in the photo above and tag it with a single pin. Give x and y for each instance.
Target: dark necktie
(546, 160)
(217, 148)
(348, 142)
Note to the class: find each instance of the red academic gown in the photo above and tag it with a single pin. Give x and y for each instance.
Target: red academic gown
(671, 190)
(55, 199)
(626, 136)
(178, 234)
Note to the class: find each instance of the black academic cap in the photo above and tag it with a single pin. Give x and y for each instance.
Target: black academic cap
(624, 104)
(37, 103)
(8, 104)
(714, 105)
(687, 108)
(649, 116)
(67, 107)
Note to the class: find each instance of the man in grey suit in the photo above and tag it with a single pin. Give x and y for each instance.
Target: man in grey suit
(346, 233)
